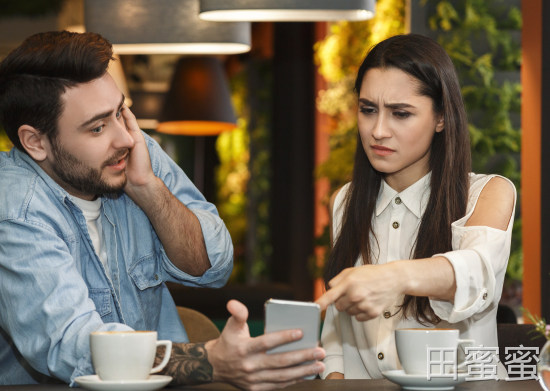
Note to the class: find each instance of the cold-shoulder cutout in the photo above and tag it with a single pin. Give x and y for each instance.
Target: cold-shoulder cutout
(495, 205)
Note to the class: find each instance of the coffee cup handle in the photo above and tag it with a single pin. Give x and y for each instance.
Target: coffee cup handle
(461, 353)
(168, 350)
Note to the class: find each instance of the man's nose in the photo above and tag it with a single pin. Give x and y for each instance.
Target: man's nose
(123, 138)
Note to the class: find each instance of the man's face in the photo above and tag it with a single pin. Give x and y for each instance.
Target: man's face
(88, 155)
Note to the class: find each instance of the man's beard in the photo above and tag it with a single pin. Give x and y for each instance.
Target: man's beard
(85, 179)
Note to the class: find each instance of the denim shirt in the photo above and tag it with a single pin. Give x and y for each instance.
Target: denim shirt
(54, 290)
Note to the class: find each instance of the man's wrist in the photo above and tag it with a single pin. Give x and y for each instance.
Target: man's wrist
(189, 364)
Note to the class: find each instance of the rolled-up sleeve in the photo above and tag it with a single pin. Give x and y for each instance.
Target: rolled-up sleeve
(479, 259)
(217, 239)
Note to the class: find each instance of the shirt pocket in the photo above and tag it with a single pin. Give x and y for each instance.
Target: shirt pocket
(146, 276)
(102, 300)
(145, 273)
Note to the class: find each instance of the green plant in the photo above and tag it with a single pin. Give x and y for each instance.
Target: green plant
(481, 37)
(243, 176)
(338, 57)
(5, 143)
(540, 323)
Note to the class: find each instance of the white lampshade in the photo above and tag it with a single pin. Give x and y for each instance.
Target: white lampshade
(286, 10)
(163, 27)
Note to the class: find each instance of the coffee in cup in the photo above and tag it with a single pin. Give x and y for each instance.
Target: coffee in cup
(126, 355)
(430, 352)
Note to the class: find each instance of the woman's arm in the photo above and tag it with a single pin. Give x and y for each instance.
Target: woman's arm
(367, 290)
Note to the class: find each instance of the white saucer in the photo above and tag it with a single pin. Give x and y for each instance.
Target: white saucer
(94, 383)
(420, 382)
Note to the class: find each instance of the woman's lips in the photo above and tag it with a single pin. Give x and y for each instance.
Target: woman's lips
(382, 151)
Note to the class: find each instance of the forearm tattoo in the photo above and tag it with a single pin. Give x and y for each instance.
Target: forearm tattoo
(188, 364)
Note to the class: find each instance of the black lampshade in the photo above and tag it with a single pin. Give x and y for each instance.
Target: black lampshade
(199, 101)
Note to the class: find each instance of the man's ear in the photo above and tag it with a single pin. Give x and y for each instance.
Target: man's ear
(440, 125)
(34, 142)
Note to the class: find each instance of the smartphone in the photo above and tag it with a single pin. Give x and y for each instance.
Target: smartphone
(290, 314)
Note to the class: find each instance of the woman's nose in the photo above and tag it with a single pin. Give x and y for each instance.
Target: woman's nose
(380, 128)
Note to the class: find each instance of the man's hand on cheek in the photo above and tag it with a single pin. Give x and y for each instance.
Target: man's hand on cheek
(139, 172)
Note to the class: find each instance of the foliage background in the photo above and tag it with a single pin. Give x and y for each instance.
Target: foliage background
(338, 57)
(483, 39)
(5, 143)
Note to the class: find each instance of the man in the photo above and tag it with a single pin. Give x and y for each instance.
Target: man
(94, 218)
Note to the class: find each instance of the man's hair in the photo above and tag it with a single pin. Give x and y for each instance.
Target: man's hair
(35, 75)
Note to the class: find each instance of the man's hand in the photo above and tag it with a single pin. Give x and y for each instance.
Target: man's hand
(238, 359)
(138, 172)
(177, 227)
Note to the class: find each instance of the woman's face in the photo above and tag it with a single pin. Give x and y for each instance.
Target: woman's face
(396, 125)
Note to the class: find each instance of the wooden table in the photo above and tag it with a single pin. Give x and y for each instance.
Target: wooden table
(327, 385)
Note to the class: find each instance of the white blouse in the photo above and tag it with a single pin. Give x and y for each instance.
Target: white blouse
(479, 256)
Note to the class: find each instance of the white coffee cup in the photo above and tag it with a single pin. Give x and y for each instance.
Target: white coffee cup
(126, 355)
(420, 350)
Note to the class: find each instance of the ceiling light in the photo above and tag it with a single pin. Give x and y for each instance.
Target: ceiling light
(163, 27)
(286, 10)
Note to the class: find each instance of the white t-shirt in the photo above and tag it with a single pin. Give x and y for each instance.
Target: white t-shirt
(479, 257)
(92, 213)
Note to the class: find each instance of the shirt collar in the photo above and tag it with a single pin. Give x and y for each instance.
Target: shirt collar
(415, 197)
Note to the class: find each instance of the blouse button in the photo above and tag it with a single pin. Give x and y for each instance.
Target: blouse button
(485, 296)
(397, 200)
(395, 224)
(387, 314)
(380, 356)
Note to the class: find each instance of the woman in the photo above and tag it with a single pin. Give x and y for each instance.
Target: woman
(418, 240)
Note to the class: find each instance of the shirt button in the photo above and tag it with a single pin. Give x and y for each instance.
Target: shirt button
(380, 356)
(156, 277)
(395, 224)
(387, 314)
(397, 200)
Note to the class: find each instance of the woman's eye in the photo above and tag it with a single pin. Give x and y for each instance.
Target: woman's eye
(367, 110)
(401, 114)
(97, 130)
(119, 114)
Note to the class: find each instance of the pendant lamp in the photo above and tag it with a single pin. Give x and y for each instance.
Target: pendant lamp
(163, 27)
(198, 102)
(286, 10)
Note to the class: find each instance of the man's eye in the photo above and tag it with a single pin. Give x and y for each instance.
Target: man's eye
(119, 114)
(97, 130)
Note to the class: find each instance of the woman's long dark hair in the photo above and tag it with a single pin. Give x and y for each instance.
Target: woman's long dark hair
(450, 161)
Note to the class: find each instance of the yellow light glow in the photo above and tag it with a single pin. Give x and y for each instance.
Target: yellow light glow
(194, 128)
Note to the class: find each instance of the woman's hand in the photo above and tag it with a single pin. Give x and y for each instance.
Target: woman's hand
(365, 291)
